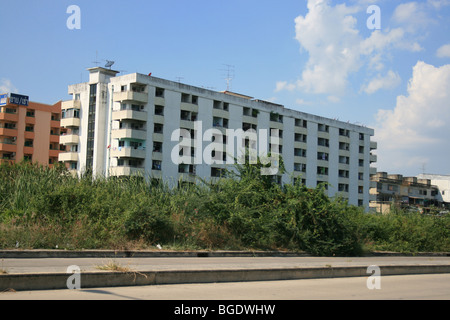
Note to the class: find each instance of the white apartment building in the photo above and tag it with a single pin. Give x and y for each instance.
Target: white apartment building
(122, 125)
(443, 184)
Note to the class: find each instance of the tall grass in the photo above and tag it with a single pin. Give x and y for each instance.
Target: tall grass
(48, 208)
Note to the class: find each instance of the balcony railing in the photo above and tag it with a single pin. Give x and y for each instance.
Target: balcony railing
(128, 152)
(131, 96)
(129, 134)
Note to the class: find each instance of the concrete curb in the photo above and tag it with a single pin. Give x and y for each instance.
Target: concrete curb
(52, 281)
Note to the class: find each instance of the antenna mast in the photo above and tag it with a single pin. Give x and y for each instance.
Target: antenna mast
(229, 76)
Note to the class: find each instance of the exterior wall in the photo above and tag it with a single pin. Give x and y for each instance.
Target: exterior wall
(110, 160)
(443, 184)
(35, 134)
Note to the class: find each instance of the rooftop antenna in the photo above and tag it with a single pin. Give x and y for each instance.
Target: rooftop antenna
(179, 79)
(423, 167)
(96, 62)
(229, 76)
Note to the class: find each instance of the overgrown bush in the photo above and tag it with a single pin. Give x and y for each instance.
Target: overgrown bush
(48, 208)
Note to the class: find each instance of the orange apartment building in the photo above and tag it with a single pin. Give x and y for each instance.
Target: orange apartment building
(29, 131)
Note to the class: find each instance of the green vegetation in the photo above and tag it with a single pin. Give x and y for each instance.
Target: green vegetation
(49, 208)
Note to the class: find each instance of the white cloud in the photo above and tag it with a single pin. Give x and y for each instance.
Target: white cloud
(417, 130)
(438, 4)
(444, 51)
(284, 85)
(337, 50)
(6, 86)
(390, 81)
(411, 14)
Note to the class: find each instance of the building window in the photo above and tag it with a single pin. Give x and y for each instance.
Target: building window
(156, 165)
(342, 187)
(159, 92)
(159, 110)
(300, 137)
(301, 123)
(322, 171)
(361, 162)
(276, 117)
(322, 156)
(157, 146)
(158, 128)
(323, 142)
(344, 173)
(344, 146)
(217, 172)
(299, 167)
(344, 160)
(344, 132)
(299, 152)
(323, 128)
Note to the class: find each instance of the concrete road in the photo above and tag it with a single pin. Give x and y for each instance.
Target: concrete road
(414, 287)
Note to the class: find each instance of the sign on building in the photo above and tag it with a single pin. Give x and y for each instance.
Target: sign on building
(18, 99)
(3, 99)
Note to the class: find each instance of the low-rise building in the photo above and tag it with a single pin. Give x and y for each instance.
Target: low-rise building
(29, 130)
(394, 189)
(443, 184)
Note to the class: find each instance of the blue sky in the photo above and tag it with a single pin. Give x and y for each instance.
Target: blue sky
(315, 56)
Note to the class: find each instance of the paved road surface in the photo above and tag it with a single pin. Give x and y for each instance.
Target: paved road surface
(420, 287)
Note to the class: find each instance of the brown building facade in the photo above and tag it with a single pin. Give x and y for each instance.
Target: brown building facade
(30, 132)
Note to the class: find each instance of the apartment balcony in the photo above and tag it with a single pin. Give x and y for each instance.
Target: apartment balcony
(187, 106)
(54, 153)
(8, 132)
(71, 104)
(30, 120)
(8, 147)
(129, 115)
(249, 119)
(69, 139)
(187, 124)
(159, 101)
(29, 135)
(70, 122)
(373, 171)
(373, 145)
(68, 156)
(276, 125)
(129, 134)
(13, 117)
(131, 96)
(54, 138)
(28, 150)
(373, 158)
(222, 113)
(126, 171)
(128, 152)
(55, 124)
